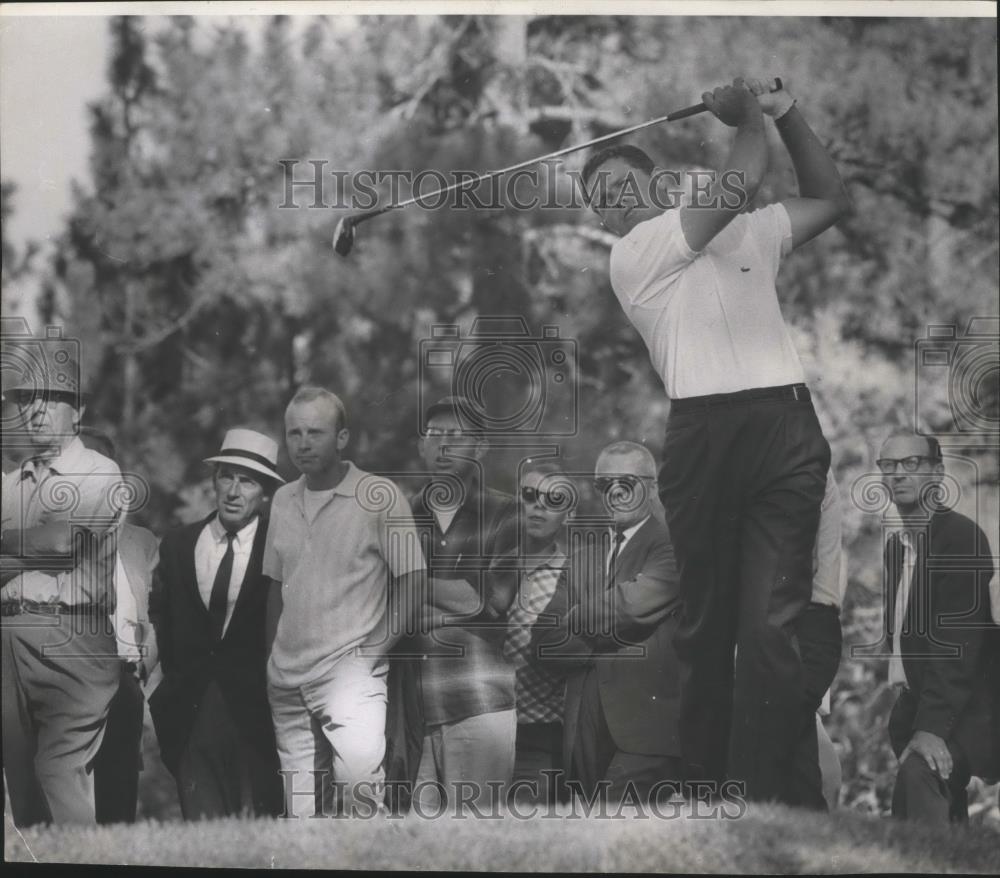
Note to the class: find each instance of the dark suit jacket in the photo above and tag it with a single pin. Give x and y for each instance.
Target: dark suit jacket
(624, 633)
(189, 656)
(949, 643)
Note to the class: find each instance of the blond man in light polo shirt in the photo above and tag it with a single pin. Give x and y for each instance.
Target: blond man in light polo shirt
(745, 461)
(339, 541)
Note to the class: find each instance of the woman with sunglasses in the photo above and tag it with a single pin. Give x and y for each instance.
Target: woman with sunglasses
(547, 499)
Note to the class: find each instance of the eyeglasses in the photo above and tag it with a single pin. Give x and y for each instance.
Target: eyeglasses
(910, 464)
(603, 484)
(557, 498)
(442, 433)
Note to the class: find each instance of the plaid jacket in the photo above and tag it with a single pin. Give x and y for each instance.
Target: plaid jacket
(462, 670)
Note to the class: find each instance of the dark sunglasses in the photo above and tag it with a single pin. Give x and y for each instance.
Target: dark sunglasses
(603, 484)
(555, 499)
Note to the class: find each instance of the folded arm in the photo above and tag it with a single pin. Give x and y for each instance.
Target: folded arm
(636, 608)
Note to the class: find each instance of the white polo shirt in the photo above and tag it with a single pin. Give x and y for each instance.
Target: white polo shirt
(335, 567)
(710, 319)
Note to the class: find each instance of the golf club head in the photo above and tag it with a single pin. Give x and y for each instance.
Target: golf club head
(343, 236)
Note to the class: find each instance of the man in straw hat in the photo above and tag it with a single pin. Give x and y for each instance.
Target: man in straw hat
(60, 664)
(209, 602)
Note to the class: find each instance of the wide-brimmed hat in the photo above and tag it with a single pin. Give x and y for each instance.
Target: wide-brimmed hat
(251, 450)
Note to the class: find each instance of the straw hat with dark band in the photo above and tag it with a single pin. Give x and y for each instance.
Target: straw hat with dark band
(251, 450)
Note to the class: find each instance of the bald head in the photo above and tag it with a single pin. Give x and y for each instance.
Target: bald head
(627, 458)
(625, 476)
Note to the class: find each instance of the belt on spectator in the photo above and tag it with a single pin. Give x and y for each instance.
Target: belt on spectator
(790, 392)
(17, 608)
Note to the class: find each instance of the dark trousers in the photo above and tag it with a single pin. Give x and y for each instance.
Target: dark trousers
(920, 793)
(819, 637)
(742, 486)
(596, 756)
(537, 754)
(119, 761)
(220, 774)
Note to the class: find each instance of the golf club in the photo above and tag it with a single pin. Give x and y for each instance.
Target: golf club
(343, 236)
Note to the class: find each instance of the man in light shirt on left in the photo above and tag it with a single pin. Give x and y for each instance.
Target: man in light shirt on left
(60, 665)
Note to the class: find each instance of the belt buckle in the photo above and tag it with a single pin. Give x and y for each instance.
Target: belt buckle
(38, 608)
(795, 392)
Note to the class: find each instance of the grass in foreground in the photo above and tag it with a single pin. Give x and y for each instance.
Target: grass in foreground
(769, 839)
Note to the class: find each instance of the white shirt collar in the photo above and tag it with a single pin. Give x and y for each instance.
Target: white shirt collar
(244, 536)
(68, 460)
(629, 532)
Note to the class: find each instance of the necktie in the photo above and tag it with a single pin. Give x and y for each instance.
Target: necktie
(219, 599)
(616, 546)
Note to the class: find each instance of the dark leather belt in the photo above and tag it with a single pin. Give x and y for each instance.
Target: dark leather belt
(789, 392)
(18, 608)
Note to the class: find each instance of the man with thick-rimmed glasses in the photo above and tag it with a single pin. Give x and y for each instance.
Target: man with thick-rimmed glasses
(945, 654)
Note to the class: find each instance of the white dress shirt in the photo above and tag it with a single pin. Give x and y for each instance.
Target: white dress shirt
(829, 564)
(208, 553)
(897, 675)
(138, 554)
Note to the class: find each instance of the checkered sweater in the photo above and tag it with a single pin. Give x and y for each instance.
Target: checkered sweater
(539, 692)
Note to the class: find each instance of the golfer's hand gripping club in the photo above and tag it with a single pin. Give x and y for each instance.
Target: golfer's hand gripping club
(343, 236)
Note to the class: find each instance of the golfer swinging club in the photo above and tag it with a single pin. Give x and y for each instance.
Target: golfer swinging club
(744, 460)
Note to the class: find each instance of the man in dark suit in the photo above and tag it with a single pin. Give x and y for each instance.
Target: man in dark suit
(945, 657)
(616, 612)
(211, 712)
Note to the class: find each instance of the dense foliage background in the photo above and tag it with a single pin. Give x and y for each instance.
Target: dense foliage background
(201, 304)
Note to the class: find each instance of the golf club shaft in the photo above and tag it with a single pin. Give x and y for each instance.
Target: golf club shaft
(680, 114)
(693, 110)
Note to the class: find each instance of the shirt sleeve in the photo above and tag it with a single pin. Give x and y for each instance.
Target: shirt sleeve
(648, 257)
(829, 578)
(271, 565)
(771, 228)
(398, 537)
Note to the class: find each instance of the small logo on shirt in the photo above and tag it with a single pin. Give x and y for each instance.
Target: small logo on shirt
(744, 269)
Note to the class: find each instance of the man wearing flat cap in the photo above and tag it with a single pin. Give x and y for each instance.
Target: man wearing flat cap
(60, 663)
(208, 607)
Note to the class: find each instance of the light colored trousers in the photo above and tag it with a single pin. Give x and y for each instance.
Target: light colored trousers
(331, 738)
(59, 677)
(463, 758)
